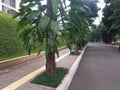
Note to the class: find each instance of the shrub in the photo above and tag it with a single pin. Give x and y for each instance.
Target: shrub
(9, 43)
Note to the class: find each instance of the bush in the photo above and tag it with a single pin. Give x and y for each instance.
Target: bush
(9, 43)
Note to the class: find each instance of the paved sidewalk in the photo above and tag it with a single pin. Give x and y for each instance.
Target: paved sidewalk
(15, 73)
(99, 69)
(66, 63)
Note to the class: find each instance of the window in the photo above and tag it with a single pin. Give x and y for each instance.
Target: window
(12, 3)
(9, 2)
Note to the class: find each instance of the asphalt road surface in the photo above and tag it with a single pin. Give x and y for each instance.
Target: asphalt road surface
(99, 69)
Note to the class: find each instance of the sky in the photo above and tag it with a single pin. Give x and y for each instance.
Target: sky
(100, 5)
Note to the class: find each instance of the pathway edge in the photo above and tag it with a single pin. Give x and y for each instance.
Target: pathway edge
(68, 78)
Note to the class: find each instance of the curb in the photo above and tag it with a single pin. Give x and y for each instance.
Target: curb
(68, 78)
(15, 61)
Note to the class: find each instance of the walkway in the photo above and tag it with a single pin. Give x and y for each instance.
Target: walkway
(99, 69)
(10, 76)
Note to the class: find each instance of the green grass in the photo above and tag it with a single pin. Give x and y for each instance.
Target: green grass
(51, 80)
(10, 56)
(15, 55)
(19, 54)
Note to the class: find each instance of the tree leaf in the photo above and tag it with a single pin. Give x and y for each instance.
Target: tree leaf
(30, 44)
(51, 42)
(25, 1)
(54, 7)
(44, 22)
(34, 15)
(55, 26)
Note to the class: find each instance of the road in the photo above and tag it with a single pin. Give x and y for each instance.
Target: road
(99, 69)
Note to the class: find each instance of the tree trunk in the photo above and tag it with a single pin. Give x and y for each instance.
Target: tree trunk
(80, 46)
(49, 8)
(50, 63)
(76, 50)
(50, 56)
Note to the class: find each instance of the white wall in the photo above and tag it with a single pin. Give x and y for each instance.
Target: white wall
(0, 6)
(17, 5)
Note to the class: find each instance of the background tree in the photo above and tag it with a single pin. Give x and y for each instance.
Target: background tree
(107, 35)
(115, 17)
(92, 4)
(111, 20)
(97, 32)
(81, 16)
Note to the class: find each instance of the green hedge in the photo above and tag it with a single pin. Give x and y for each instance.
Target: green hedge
(9, 43)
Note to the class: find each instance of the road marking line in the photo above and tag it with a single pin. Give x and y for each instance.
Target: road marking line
(28, 77)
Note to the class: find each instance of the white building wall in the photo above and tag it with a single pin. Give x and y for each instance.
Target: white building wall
(17, 5)
(0, 6)
(17, 2)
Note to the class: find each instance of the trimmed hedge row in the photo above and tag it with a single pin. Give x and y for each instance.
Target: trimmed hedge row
(9, 43)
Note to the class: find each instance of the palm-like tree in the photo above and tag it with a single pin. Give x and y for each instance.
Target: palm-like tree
(39, 25)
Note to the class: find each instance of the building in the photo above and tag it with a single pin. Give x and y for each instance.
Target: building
(9, 6)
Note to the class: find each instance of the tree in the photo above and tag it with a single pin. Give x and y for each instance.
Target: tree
(41, 25)
(77, 28)
(92, 4)
(80, 18)
(107, 35)
(115, 17)
(98, 33)
(76, 23)
(111, 19)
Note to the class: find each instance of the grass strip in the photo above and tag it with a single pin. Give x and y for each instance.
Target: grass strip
(51, 80)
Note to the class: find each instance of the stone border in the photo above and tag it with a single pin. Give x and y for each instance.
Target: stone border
(68, 78)
(15, 61)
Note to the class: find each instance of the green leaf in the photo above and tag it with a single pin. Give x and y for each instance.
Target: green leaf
(30, 45)
(34, 14)
(43, 8)
(37, 1)
(55, 26)
(25, 1)
(57, 51)
(51, 42)
(55, 7)
(44, 21)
